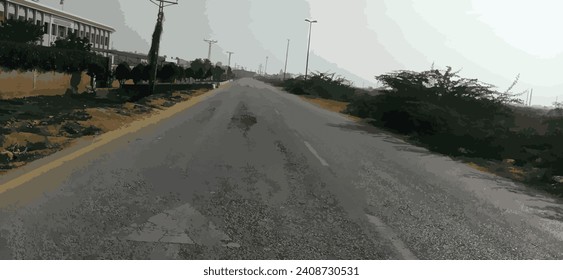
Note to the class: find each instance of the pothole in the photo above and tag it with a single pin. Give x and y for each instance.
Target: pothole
(243, 120)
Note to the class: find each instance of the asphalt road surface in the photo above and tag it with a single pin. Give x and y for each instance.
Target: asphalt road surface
(252, 172)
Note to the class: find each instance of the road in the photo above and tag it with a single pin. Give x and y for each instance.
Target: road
(252, 172)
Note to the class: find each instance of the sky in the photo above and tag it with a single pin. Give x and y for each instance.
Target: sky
(492, 41)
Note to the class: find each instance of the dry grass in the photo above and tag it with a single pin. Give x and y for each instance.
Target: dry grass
(505, 169)
(331, 105)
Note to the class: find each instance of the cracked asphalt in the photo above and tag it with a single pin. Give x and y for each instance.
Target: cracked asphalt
(252, 172)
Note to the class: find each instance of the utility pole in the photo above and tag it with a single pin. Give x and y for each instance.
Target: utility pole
(286, 55)
(63, 5)
(266, 68)
(155, 45)
(230, 53)
(260, 69)
(210, 42)
(309, 45)
(531, 94)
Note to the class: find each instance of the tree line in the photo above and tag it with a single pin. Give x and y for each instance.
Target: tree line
(200, 69)
(20, 50)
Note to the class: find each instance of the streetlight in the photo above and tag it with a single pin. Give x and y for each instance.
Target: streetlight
(210, 42)
(286, 55)
(309, 45)
(266, 68)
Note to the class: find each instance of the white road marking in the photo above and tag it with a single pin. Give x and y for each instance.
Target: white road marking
(395, 240)
(182, 225)
(323, 162)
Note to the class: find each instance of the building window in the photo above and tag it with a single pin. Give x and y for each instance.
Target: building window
(21, 18)
(54, 29)
(62, 31)
(107, 41)
(46, 28)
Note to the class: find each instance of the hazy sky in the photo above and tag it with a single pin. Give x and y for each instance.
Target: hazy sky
(492, 40)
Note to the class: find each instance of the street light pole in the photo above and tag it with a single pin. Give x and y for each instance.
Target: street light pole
(286, 55)
(266, 68)
(210, 42)
(309, 45)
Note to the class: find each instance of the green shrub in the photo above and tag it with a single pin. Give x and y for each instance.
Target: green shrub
(450, 114)
(26, 57)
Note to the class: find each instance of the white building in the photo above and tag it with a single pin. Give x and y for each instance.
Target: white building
(57, 23)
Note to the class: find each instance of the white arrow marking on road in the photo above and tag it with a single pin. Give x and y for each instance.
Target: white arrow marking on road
(323, 162)
(182, 225)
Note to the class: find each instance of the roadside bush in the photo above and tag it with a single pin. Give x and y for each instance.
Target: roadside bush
(122, 73)
(450, 114)
(321, 85)
(26, 57)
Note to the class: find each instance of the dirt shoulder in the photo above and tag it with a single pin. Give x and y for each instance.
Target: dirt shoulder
(35, 127)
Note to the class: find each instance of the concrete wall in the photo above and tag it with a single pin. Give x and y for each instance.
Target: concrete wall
(14, 84)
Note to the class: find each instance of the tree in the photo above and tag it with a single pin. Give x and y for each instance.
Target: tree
(137, 74)
(189, 73)
(73, 42)
(168, 72)
(20, 31)
(217, 73)
(96, 72)
(208, 74)
(201, 68)
(122, 73)
(181, 74)
(199, 74)
(230, 73)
